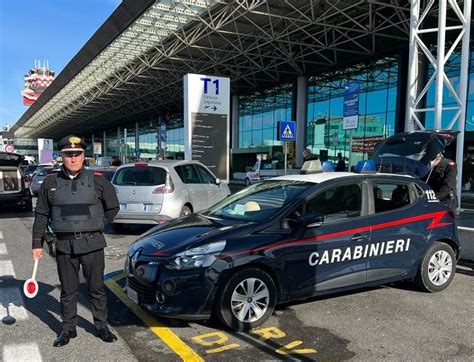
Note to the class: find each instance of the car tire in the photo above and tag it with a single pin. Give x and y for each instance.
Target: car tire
(186, 210)
(243, 315)
(247, 182)
(437, 268)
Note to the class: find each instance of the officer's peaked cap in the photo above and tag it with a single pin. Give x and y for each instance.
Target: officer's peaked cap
(71, 143)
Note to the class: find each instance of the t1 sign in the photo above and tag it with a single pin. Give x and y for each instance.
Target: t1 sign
(215, 83)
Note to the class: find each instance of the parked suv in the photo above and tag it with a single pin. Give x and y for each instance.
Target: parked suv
(13, 192)
(157, 191)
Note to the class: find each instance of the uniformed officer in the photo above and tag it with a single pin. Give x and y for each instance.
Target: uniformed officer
(442, 180)
(76, 204)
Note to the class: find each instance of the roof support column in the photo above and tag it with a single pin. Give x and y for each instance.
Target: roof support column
(92, 143)
(461, 28)
(137, 140)
(105, 143)
(118, 143)
(440, 64)
(412, 67)
(301, 118)
(235, 122)
(463, 86)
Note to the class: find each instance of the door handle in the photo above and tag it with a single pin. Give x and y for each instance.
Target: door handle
(357, 237)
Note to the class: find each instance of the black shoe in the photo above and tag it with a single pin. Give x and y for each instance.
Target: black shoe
(64, 338)
(106, 335)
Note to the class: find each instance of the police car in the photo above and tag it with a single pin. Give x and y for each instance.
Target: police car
(290, 238)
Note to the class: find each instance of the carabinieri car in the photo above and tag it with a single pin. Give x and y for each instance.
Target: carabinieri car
(291, 238)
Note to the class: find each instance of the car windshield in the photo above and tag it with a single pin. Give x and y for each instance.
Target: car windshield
(44, 171)
(258, 202)
(140, 176)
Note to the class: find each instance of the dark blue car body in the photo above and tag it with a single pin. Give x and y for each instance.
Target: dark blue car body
(304, 248)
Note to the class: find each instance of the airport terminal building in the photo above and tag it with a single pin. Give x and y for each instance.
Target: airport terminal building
(286, 60)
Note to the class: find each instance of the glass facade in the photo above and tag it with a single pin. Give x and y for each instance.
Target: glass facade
(377, 105)
(451, 68)
(260, 113)
(147, 141)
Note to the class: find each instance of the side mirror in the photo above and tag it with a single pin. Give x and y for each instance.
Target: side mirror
(217, 181)
(311, 220)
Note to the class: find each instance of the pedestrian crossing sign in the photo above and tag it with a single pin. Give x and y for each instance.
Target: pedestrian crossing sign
(287, 131)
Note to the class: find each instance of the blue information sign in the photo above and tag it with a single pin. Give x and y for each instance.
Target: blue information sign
(351, 105)
(286, 131)
(163, 137)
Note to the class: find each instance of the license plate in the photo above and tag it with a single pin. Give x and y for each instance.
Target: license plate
(132, 294)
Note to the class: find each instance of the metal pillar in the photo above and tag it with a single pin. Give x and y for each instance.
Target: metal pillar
(105, 143)
(137, 141)
(119, 143)
(301, 118)
(92, 143)
(235, 122)
(414, 98)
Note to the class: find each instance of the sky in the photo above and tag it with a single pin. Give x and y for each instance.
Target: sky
(54, 30)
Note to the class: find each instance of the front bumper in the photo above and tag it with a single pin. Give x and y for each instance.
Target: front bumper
(183, 294)
(21, 199)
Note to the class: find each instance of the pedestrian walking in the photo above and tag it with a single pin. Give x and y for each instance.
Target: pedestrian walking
(75, 204)
(341, 165)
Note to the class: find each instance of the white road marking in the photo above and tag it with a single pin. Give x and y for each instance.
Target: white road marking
(1, 235)
(6, 269)
(21, 352)
(3, 249)
(465, 228)
(11, 304)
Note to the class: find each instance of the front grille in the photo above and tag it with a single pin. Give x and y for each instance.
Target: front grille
(146, 293)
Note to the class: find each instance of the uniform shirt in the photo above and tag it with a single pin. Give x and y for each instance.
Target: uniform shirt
(103, 188)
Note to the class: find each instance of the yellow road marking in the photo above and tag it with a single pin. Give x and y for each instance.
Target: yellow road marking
(224, 348)
(163, 332)
(288, 349)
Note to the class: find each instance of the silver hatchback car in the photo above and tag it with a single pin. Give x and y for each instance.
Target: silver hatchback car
(157, 191)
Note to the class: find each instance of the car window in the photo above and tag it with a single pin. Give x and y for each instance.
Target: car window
(188, 174)
(9, 180)
(337, 203)
(260, 201)
(390, 196)
(206, 177)
(140, 176)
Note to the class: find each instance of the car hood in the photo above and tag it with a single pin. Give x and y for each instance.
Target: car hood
(186, 233)
(411, 153)
(10, 159)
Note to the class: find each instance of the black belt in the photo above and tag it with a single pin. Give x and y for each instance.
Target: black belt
(76, 235)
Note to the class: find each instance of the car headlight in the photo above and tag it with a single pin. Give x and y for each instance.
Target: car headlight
(199, 257)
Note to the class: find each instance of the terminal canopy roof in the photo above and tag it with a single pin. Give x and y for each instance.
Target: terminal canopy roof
(132, 69)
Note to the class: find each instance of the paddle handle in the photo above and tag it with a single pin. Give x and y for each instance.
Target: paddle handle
(35, 268)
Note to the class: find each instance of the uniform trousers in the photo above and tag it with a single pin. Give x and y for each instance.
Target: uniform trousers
(93, 270)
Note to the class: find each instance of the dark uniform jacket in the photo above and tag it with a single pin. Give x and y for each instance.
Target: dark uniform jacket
(443, 182)
(80, 243)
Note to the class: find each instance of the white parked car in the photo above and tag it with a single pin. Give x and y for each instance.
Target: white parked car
(157, 191)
